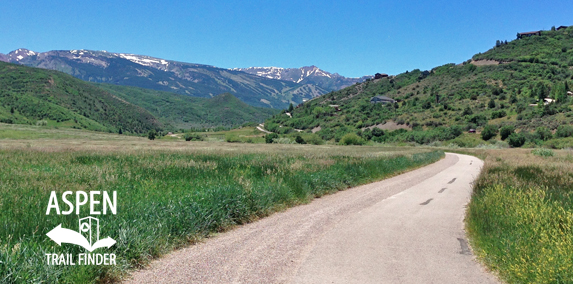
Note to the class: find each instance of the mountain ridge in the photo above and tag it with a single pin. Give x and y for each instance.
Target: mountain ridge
(46, 97)
(199, 80)
(306, 74)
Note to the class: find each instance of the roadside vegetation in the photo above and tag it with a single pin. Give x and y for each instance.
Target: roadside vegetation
(520, 218)
(171, 193)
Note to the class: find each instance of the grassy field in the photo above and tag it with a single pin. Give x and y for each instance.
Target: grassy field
(171, 193)
(520, 219)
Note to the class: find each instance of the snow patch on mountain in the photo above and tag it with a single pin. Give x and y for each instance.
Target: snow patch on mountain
(307, 74)
(143, 60)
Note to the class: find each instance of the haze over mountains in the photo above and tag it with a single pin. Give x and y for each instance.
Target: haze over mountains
(257, 86)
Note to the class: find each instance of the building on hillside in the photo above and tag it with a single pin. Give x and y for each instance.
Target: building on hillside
(380, 75)
(528, 34)
(561, 27)
(382, 99)
(336, 107)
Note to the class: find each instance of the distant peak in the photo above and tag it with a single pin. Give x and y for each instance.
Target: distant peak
(20, 54)
(22, 51)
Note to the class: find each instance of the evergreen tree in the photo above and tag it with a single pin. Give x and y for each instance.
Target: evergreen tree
(151, 134)
(558, 92)
(467, 111)
(489, 131)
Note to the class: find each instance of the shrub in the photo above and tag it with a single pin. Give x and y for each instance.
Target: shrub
(299, 140)
(232, 138)
(498, 114)
(367, 134)
(543, 133)
(564, 131)
(314, 139)
(193, 137)
(467, 111)
(351, 139)
(516, 140)
(270, 137)
(478, 119)
(456, 130)
(543, 152)
(489, 131)
(559, 143)
(377, 132)
(505, 131)
(284, 140)
(467, 141)
(151, 134)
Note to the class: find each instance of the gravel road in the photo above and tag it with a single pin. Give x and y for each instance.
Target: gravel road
(406, 229)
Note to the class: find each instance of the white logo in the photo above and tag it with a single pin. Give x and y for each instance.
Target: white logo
(87, 237)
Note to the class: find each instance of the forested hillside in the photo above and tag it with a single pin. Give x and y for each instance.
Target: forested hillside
(519, 89)
(44, 97)
(183, 112)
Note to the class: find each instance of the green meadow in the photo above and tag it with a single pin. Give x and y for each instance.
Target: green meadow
(520, 218)
(170, 193)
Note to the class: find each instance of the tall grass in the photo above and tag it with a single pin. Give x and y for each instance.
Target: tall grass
(166, 199)
(520, 218)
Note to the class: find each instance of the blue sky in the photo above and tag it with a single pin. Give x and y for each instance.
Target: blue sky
(352, 38)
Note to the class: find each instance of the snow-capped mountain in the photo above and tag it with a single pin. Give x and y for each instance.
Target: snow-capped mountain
(306, 75)
(167, 75)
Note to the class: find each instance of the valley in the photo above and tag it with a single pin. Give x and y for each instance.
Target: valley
(318, 176)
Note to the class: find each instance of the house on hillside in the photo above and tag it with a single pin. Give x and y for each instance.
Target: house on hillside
(528, 34)
(382, 99)
(380, 75)
(561, 27)
(336, 107)
(546, 101)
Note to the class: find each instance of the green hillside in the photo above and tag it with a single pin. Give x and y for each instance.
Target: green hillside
(37, 96)
(181, 111)
(44, 97)
(441, 104)
(147, 72)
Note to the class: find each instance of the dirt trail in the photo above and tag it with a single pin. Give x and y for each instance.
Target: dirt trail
(406, 229)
